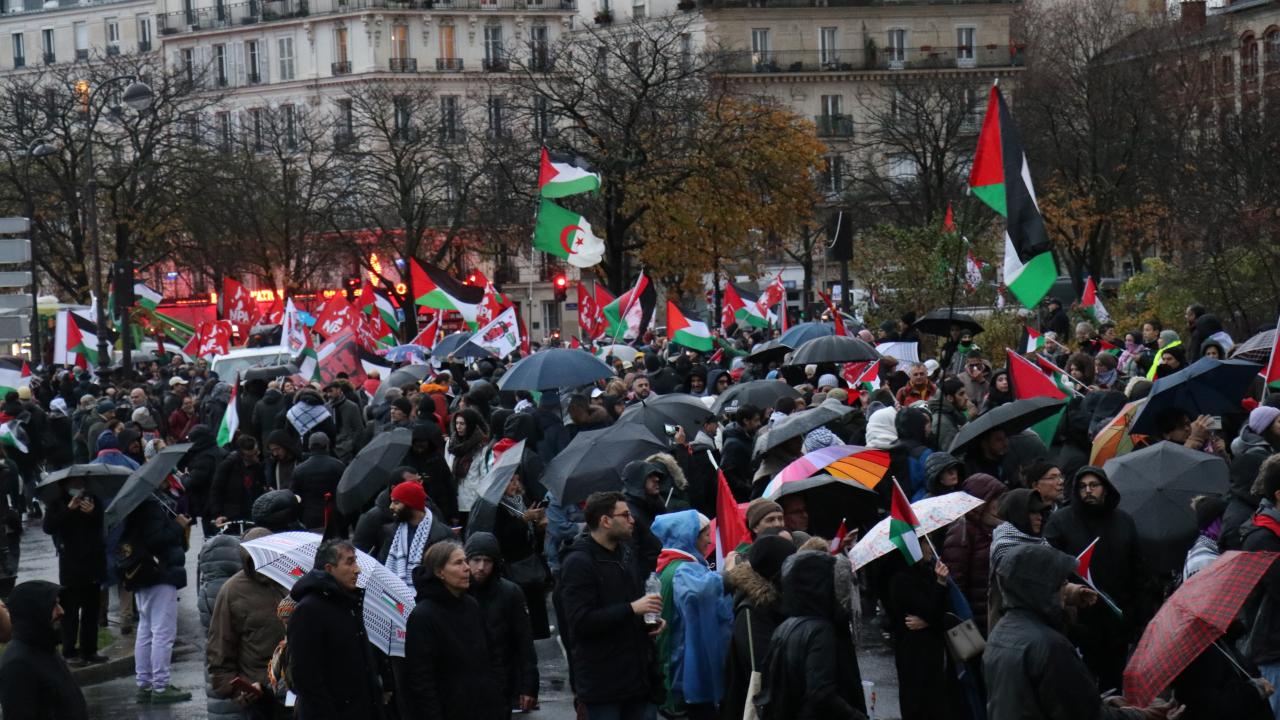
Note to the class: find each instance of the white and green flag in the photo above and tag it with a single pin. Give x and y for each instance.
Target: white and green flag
(230, 419)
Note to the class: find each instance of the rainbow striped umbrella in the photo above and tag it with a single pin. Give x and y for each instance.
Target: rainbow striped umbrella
(845, 462)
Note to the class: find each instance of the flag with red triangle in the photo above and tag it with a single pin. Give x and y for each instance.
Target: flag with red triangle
(688, 332)
(838, 540)
(902, 526)
(574, 343)
(1029, 381)
(430, 334)
(731, 522)
(1092, 304)
(836, 317)
(1083, 562)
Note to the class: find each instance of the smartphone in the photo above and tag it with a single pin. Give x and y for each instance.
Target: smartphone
(1215, 422)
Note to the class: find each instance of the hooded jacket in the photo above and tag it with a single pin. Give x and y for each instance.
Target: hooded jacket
(268, 414)
(936, 464)
(757, 612)
(153, 526)
(201, 462)
(280, 472)
(811, 670)
(1012, 533)
(447, 656)
(219, 559)
(644, 509)
(1248, 452)
(1264, 636)
(244, 630)
(736, 460)
(1032, 670)
(35, 683)
(506, 619)
(331, 661)
(698, 612)
(78, 538)
(236, 484)
(967, 549)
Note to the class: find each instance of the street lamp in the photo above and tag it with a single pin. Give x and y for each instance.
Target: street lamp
(38, 149)
(138, 96)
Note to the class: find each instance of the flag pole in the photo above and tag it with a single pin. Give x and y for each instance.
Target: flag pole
(936, 557)
(1065, 374)
(623, 315)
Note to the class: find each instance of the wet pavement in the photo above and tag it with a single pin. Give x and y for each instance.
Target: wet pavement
(114, 699)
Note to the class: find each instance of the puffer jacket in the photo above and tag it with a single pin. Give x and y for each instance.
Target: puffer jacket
(244, 631)
(219, 559)
(153, 526)
(967, 549)
(936, 464)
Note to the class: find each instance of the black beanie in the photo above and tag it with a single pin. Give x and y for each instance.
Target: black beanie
(767, 554)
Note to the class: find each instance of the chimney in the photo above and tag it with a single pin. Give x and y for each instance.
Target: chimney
(1193, 12)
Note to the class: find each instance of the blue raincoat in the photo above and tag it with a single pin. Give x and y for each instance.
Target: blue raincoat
(700, 621)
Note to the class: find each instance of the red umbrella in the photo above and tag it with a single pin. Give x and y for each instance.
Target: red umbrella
(1192, 619)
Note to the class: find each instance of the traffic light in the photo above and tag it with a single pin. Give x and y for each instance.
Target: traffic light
(561, 285)
(473, 279)
(122, 283)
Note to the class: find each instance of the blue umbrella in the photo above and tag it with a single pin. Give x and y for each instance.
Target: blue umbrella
(804, 332)
(555, 368)
(453, 345)
(1206, 387)
(406, 353)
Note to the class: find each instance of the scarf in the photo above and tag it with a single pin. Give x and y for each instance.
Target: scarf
(405, 555)
(1006, 537)
(304, 417)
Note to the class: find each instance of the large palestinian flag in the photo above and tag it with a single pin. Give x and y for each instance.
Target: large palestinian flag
(743, 307)
(629, 314)
(690, 333)
(558, 177)
(1001, 179)
(435, 288)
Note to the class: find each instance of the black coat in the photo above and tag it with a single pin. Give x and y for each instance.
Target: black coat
(1264, 605)
(736, 461)
(154, 527)
(268, 415)
(613, 659)
(201, 462)
(79, 540)
(35, 683)
(312, 478)
(919, 654)
(506, 619)
(438, 480)
(236, 484)
(757, 612)
(332, 667)
(446, 651)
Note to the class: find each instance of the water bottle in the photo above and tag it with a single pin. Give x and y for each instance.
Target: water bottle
(652, 586)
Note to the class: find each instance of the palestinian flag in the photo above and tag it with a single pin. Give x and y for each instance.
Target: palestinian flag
(309, 362)
(1083, 562)
(13, 435)
(435, 288)
(1272, 374)
(82, 338)
(1027, 380)
(902, 526)
(729, 348)
(1001, 178)
(731, 521)
(741, 307)
(863, 376)
(568, 235)
(375, 300)
(836, 318)
(629, 314)
(13, 376)
(557, 178)
(1056, 374)
(147, 298)
(393, 603)
(692, 334)
(370, 361)
(1092, 304)
(230, 419)
(1032, 341)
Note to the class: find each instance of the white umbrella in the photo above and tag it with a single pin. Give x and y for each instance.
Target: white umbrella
(933, 513)
(286, 557)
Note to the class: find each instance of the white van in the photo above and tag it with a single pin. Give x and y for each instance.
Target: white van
(241, 359)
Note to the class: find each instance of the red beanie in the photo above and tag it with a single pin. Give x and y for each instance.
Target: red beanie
(410, 494)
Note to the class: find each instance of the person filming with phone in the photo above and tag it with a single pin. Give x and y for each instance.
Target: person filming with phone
(75, 522)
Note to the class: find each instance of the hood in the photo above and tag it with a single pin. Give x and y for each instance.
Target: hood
(673, 471)
(107, 440)
(428, 432)
(1207, 325)
(221, 391)
(127, 437)
(277, 511)
(309, 397)
(202, 438)
(702, 442)
(272, 396)
(808, 585)
(31, 611)
(286, 440)
(1031, 578)
(1113, 495)
(520, 426)
(982, 486)
(881, 431)
(713, 375)
(317, 582)
(912, 426)
(1103, 407)
(1015, 508)
(678, 531)
(633, 476)
(751, 588)
(938, 463)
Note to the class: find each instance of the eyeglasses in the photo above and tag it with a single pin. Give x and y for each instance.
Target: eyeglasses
(624, 514)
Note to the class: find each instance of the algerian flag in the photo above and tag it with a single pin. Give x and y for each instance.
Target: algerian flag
(902, 526)
(567, 235)
(1092, 304)
(1001, 178)
(557, 178)
(147, 297)
(12, 434)
(230, 419)
(692, 334)
(501, 336)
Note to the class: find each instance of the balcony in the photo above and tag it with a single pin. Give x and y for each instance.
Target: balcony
(113, 50)
(495, 64)
(343, 138)
(144, 46)
(19, 61)
(50, 58)
(449, 64)
(869, 59)
(340, 68)
(834, 126)
(844, 3)
(404, 65)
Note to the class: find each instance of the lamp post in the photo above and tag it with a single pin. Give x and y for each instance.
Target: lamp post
(138, 96)
(37, 149)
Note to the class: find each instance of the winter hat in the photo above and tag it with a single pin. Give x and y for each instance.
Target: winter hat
(24, 392)
(881, 430)
(403, 405)
(828, 381)
(703, 522)
(758, 509)
(1262, 417)
(411, 494)
(318, 441)
(768, 553)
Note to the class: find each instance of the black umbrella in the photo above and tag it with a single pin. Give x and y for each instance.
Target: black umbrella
(1156, 485)
(761, 393)
(101, 481)
(270, 372)
(407, 375)
(453, 345)
(1207, 386)
(659, 411)
(797, 335)
(594, 460)
(553, 369)
(371, 468)
(939, 322)
(833, 349)
(142, 482)
(1011, 417)
(772, 351)
(797, 424)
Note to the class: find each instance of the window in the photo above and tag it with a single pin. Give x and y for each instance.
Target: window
(222, 122)
(144, 33)
(550, 316)
(284, 49)
(290, 126)
(191, 127)
(253, 52)
(827, 52)
(46, 40)
(493, 47)
(256, 128)
(340, 44)
(81, 32)
(538, 44)
(112, 31)
(897, 47)
(189, 64)
(1271, 52)
(541, 117)
(1249, 57)
(686, 51)
(346, 118)
(400, 41)
(902, 168)
(833, 174)
(637, 8)
(832, 122)
(761, 54)
(497, 116)
(449, 118)
(965, 56)
(220, 64)
(448, 50)
(19, 50)
(1228, 70)
(403, 117)
(831, 105)
(452, 182)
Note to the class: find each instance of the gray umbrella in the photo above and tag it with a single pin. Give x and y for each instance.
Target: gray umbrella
(101, 481)
(407, 375)
(270, 372)
(658, 411)
(594, 460)
(142, 482)
(371, 468)
(553, 369)
(456, 344)
(797, 425)
(772, 351)
(1011, 417)
(761, 393)
(1156, 485)
(833, 349)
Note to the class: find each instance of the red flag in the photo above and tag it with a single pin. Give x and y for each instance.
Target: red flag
(836, 317)
(603, 298)
(214, 339)
(949, 222)
(586, 310)
(1028, 381)
(364, 302)
(852, 372)
(430, 334)
(191, 348)
(731, 523)
(574, 343)
(238, 304)
(838, 540)
(1084, 559)
(1271, 378)
(338, 315)
(730, 304)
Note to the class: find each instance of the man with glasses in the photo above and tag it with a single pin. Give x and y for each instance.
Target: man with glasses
(610, 654)
(1116, 569)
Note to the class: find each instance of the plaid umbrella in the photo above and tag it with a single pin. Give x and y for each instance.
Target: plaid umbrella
(1193, 618)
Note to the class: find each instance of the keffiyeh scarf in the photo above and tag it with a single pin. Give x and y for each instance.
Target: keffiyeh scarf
(405, 554)
(303, 417)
